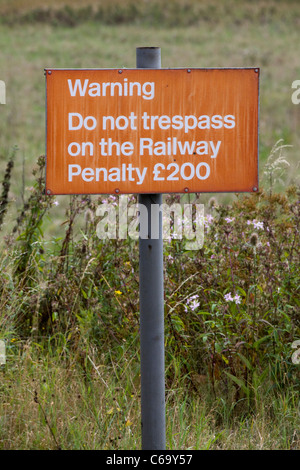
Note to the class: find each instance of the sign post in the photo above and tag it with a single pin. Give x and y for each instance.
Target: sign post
(151, 303)
(150, 131)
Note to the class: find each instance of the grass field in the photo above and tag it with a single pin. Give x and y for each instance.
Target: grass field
(72, 374)
(47, 402)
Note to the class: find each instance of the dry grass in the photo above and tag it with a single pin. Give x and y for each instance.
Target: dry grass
(21, 6)
(50, 403)
(55, 401)
(250, 7)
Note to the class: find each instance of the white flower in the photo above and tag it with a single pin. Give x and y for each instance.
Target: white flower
(194, 304)
(228, 297)
(237, 299)
(193, 297)
(257, 224)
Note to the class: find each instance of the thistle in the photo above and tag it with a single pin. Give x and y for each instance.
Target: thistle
(254, 239)
(6, 187)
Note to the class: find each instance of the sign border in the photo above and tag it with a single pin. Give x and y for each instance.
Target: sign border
(48, 70)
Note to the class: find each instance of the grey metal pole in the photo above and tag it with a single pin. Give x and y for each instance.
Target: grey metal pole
(152, 304)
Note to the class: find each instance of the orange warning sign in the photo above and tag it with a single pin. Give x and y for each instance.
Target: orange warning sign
(152, 131)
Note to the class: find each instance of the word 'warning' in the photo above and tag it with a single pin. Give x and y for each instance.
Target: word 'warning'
(151, 131)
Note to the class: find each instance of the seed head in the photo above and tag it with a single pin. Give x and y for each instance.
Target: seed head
(254, 239)
(212, 202)
(89, 216)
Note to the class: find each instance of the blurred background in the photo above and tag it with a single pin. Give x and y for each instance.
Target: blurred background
(35, 34)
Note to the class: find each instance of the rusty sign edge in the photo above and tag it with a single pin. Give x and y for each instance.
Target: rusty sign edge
(188, 69)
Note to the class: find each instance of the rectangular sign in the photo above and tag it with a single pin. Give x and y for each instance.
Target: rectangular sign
(152, 131)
